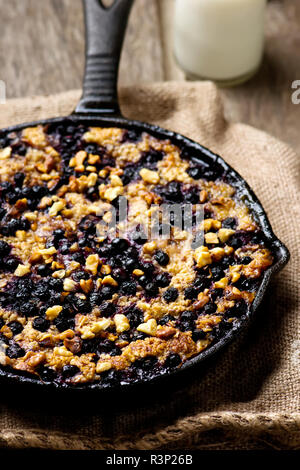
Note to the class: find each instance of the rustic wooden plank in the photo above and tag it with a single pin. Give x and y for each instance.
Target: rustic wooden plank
(42, 46)
(142, 57)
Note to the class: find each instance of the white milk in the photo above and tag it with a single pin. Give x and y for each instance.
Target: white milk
(219, 39)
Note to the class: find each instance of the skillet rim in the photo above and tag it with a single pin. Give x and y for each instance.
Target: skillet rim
(243, 190)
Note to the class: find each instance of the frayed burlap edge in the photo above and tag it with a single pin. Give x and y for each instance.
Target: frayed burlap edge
(236, 431)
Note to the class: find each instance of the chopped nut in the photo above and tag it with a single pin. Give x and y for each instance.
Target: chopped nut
(103, 366)
(91, 263)
(86, 286)
(56, 208)
(69, 285)
(121, 322)
(5, 153)
(48, 251)
(109, 280)
(116, 180)
(217, 253)
(203, 299)
(209, 224)
(138, 272)
(150, 247)
(203, 196)
(202, 256)
(92, 179)
(111, 193)
(165, 332)
(149, 328)
(211, 237)
(100, 325)
(222, 283)
(78, 160)
(105, 269)
(149, 176)
(224, 234)
(62, 351)
(59, 274)
(22, 270)
(53, 312)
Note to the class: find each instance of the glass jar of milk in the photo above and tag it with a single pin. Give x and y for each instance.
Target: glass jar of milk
(220, 40)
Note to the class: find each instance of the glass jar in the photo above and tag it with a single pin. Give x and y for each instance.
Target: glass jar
(220, 40)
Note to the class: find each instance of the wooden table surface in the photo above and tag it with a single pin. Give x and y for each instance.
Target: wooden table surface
(42, 52)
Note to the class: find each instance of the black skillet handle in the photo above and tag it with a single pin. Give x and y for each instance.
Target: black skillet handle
(105, 30)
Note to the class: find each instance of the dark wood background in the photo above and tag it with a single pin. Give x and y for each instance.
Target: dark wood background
(42, 52)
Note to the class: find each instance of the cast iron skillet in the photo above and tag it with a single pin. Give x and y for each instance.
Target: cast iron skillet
(105, 29)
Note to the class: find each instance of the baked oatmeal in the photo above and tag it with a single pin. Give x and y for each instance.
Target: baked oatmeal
(86, 294)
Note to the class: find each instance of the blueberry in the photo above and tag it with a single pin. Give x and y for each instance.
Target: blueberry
(215, 293)
(78, 275)
(147, 267)
(235, 242)
(151, 289)
(14, 351)
(28, 309)
(229, 222)
(5, 248)
(173, 192)
(1, 322)
(161, 257)
(129, 264)
(143, 281)
(16, 327)
(95, 299)
(119, 244)
(55, 284)
(195, 172)
(146, 364)
(217, 272)
(58, 234)
(173, 360)
(43, 270)
(139, 237)
(171, 294)
(192, 196)
(19, 179)
(83, 306)
(11, 264)
(63, 324)
(198, 334)
(135, 316)
(190, 293)
(245, 260)
(165, 319)
(128, 288)
(107, 292)
(128, 174)
(162, 280)
(42, 291)
(46, 374)
(209, 308)
(107, 309)
(41, 324)
(78, 257)
(69, 371)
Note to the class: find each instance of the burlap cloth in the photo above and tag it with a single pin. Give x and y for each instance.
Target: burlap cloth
(248, 398)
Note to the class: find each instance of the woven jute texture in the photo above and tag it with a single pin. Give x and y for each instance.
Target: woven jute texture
(248, 397)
